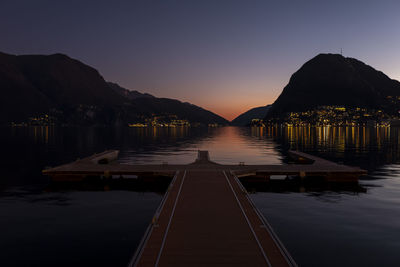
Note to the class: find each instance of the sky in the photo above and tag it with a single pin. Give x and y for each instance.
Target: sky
(224, 55)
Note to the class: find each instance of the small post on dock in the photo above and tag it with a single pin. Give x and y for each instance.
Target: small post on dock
(202, 156)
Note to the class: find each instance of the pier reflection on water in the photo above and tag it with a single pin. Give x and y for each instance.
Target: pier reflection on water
(338, 223)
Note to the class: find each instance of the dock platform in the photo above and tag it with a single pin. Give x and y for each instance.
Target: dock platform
(206, 217)
(102, 164)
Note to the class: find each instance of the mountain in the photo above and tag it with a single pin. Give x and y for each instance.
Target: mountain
(131, 94)
(147, 104)
(33, 85)
(254, 113)
(57, 88)
(333, 80)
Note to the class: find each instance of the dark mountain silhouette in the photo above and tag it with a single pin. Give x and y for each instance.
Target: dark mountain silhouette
(131, 94)
(74, 93)
(33, 85)
(148, 104)
(331, 79)
(254, 113)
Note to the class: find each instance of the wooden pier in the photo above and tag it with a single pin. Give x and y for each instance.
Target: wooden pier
(104, 164)
(206, 218)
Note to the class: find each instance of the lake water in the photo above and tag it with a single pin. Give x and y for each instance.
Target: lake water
(320, 226)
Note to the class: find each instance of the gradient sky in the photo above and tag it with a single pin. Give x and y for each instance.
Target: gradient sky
(224, 55)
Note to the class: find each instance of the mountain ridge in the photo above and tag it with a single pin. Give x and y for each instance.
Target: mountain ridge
(60, 89)
(131, 94)
(331, 79)
(246, 117)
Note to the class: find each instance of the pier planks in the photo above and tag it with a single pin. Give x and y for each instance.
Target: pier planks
(213, 223)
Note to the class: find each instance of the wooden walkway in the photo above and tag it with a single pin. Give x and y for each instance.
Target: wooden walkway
(206, 218)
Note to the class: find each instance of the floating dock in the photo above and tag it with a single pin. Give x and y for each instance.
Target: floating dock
(104, 164)
(206, 217)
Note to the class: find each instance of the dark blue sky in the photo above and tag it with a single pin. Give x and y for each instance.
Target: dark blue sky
(224, 55)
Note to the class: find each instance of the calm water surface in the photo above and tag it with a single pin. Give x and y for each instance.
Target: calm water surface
(319, 226)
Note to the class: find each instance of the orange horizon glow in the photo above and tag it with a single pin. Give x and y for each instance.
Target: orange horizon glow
(227, 99)
(235, 105)
(230, 113)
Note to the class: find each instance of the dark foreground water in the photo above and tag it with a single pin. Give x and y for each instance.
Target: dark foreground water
(320, 225)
